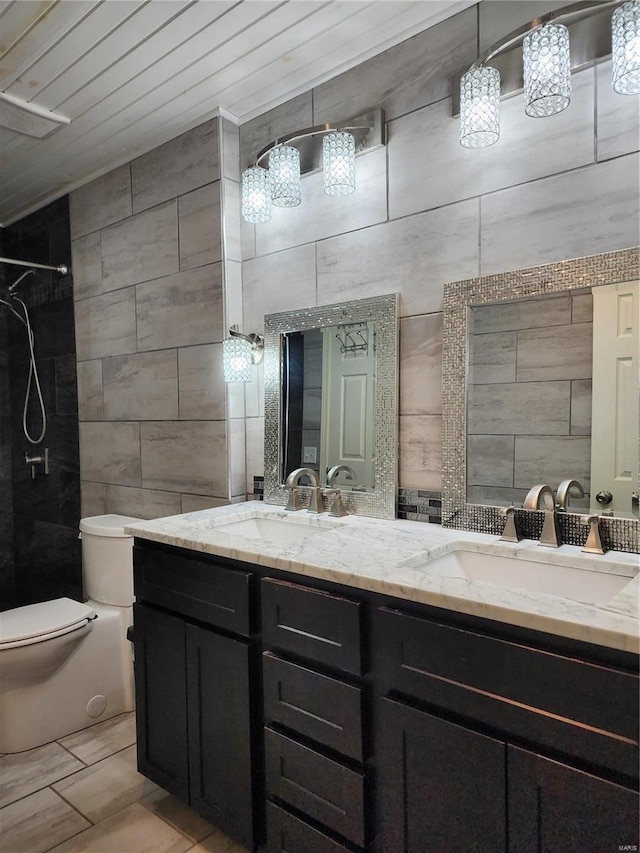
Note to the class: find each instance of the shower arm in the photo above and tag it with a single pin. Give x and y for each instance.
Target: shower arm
(63, 269)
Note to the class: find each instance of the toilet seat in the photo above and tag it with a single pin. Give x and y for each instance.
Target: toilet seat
(35, 623)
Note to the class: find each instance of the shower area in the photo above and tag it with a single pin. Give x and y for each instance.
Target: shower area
(39, 460)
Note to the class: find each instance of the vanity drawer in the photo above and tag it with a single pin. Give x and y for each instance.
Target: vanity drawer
(286, 833)
(321, 708)
(204, 591)
(318, 786)
(583, 709)
(317, 625)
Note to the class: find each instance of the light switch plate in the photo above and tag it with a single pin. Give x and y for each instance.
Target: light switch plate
(310, 455)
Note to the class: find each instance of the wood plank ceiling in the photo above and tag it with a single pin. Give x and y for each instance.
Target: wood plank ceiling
(132, 74)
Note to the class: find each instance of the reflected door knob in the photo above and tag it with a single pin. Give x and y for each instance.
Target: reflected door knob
(604, 497)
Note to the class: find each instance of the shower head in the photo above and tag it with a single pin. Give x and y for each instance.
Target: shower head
(13, 286)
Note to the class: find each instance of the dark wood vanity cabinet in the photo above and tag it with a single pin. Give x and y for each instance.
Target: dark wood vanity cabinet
(304, 717)
(193, 692)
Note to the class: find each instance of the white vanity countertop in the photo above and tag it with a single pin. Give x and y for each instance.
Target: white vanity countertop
(395, 558)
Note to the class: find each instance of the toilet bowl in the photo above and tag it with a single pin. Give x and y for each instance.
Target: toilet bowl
(66, 665)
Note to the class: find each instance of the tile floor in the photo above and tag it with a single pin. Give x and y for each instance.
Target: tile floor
(83, 794)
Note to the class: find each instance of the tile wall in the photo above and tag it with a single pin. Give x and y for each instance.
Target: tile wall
(155, 272)
(427, 211)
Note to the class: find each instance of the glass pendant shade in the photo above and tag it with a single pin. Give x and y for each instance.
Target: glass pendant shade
(236, 360)
(284, 170)
(480, 107)
(625, 45)
(256, 194)
(547, 70)
(339, 163)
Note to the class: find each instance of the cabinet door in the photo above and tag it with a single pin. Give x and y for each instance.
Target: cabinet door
(441, 787)
(553, 807)
(220, 731)
(161, 699)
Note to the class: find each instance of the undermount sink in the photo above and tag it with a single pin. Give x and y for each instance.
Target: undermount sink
(281, 531)
(586, 585)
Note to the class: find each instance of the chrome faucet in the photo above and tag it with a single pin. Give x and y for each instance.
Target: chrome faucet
(332, 473)
(593, 545)
(510, 532)
(315, 500)
(550, 536)
(564, 490)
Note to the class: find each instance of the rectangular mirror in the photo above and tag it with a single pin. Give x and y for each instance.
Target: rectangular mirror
(539, 386)
(331, 378)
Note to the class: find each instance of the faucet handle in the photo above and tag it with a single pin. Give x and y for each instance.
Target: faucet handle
(593, 545)
(510, 532)
(338, 509)
(294, 503)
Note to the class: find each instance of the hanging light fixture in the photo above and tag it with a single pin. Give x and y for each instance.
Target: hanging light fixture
(300, 152)
(625, 44)
(547, 65)
(480, 107)
(284, 172)
(339, 163)
(256, 194)
(239, 352)
(547, 70)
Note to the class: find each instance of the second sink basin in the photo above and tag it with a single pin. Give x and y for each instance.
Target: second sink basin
(280, 531)
(580, 584)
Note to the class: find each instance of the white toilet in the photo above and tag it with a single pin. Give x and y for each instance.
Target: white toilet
(65, 665)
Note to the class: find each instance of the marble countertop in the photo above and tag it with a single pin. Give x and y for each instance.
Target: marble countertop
(402, 559)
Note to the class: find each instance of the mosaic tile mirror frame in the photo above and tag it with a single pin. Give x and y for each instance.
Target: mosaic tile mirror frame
(621, 534)
(382, 311)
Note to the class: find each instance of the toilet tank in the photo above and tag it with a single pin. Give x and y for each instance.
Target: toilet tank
(107, 559)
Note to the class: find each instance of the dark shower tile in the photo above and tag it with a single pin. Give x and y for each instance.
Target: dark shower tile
(66, 385)
(50, 565)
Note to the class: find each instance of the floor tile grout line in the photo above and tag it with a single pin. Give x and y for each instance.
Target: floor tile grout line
(76, 809)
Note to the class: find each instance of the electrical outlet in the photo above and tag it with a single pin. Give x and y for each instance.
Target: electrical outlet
(310, 455)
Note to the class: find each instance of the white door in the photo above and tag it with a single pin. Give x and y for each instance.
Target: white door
(614, 427)
(348, 386)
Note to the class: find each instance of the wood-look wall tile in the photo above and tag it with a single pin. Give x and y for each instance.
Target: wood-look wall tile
(496, 495)
(193, 503)
(110, 453)
(106, 325)
(561, 352)
(282, 281)
(618, 118)
(142, 503)
(254, 392)
(185, 456)
(143, 386)
(581, 308)
(90, 399)
(581, 407)
(86, 263)
(311, 408)
(520, 408)
(201, 383)
(421, 365)
(420, 456)
(497, 18)
(232, 217)
(320, 216)
(414, 256)
(180, 165)
(492, 358)
(181, 309)
(409, 75)
(200, 227)
(566, 216)
(254, 450)
(550, 459)
(93, 499)
(429, 168)
(490, 460)
(294, 114)
(550, 310)
(141, 248)
(230, 147)
(101, 202)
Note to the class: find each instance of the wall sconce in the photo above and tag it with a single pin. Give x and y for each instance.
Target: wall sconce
(300, 152)
(239, 352)
(547, 65)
